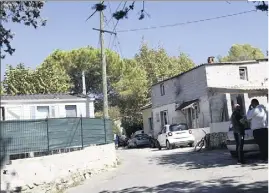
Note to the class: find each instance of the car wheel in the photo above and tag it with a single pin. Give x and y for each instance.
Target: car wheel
(168, 145)
(234, 154)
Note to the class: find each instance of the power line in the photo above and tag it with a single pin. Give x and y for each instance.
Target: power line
(186, 23)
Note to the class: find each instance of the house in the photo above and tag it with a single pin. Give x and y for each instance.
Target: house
(206, 93)
(41, 106)
(147, 119)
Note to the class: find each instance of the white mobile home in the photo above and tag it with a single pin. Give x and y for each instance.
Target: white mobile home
(40, 106)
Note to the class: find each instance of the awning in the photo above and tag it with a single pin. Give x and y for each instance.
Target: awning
(186, 105)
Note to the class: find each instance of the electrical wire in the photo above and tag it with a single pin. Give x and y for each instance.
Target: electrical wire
(186, 23)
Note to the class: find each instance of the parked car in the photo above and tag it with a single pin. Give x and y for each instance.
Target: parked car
(139, 140)
(249, 143)
(175, 135)
(123, 141)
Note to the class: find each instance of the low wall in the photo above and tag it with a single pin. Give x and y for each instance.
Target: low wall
(199, 134)
(219, 127)
(216, 135)
(55, 172)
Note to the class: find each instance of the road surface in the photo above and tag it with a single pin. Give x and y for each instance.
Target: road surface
(179, 170)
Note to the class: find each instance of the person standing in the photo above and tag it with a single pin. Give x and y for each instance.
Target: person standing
(258, 114)
(239, 132)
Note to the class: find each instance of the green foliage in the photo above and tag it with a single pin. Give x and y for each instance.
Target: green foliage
(25, 12)
(45, 79)
(159, 65)
(241, 52)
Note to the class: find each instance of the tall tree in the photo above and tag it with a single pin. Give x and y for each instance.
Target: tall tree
(159, 65)
(25, 12)
(241, 52)
(45, 79)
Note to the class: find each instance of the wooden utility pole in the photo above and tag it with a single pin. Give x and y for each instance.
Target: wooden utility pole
(103, 59)
(104, 76)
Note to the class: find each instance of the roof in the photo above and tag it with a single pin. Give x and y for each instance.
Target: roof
(242, 87)
(215, 64)
(57, 96)
(186, 104)
(147, 106)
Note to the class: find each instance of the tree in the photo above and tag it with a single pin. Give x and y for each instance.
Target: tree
(45, 79)
(25, 12)
(159, 65)
(87, 59)
(18, 80)
(2, 90)
(242, 52)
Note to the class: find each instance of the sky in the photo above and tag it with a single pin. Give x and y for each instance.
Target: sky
(68, 29)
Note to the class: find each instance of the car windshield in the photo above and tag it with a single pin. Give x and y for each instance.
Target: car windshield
(178, 127)
(141, 135)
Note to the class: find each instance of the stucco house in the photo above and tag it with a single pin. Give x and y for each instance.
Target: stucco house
(41, 106)
(205, 94)
(147, 119)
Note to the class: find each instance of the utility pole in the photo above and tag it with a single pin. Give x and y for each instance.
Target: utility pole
(103, 59)
(104, 77)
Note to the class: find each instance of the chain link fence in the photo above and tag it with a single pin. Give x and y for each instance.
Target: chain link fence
(53, 135)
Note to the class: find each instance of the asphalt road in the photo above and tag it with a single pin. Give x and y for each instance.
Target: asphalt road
(179, 170)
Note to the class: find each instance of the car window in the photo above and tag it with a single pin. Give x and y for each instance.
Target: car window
(178, 127)
(141, 135)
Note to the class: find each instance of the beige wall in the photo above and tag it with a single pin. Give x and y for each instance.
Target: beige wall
(44, 174)
(146, 115)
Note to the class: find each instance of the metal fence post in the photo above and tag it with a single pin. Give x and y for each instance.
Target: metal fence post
(81, 132)
(105, 129)
(48, 138)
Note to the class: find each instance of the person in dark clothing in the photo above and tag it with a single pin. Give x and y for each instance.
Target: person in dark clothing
(239, 132)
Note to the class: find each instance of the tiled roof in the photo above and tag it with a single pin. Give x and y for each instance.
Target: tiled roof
(42, 97)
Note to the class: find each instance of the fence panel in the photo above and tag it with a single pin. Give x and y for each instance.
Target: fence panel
(64, 133)
(26, 136)
(45, 135)
(93, 131)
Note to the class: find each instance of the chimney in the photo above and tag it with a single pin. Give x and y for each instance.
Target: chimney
(210, 59)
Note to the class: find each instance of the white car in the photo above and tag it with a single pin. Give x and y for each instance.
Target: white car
(249, 143)
(175, 135)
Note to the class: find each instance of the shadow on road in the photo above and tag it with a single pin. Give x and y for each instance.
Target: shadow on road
(224, 185)
(206, 159)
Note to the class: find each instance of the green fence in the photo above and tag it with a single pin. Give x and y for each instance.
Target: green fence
(46, 135)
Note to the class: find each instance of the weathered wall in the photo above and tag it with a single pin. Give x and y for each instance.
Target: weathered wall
(199, 133)
(27, 110)
(46, 174)
(146, 113)
(186, 87)
(257, 73)
(172, 116)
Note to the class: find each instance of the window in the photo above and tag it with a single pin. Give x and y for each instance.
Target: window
(164, 118)
(178, 127)
(243, 73)
(150, 123)
(32, 112)
(2, 114)
(42, 112)
(71, 110)
(162, 89)
(53, 111)
(163, 130)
